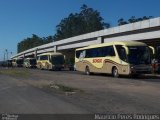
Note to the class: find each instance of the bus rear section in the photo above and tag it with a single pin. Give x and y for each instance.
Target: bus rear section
(50, 61)
(116, 58)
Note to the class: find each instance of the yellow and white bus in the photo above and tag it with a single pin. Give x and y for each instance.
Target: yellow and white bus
(50, 61)
(116, 58)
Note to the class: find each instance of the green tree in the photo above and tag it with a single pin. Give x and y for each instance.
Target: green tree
(87, 20)
(122, 22)
(34, 41)
(133, 19)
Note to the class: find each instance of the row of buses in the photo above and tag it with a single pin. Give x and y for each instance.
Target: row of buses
(49, 61)
(116, 58)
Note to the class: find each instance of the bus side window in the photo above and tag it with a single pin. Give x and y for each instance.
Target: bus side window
(95, 52)
(111, 51)
(108, 51)
(88, 53)
(121, 52)
(82, 54)
(77, 54)
(100, 52)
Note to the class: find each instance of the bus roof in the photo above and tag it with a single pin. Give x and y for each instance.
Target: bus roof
(50, 53)
(125, 43)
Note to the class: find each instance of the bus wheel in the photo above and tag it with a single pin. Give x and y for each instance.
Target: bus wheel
(40, 67)
(48, 67)
(115, 72)
(87, 71)
(134, 75)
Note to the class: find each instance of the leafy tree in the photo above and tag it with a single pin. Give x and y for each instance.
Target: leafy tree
(133, 19)
(33, 42)
(87, 20)
(91, 19)
(122, 22)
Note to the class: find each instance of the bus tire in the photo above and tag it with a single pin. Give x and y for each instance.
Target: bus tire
(48, 67)
(87, 71)
(115, 72)
(40, 67)
(135, 75)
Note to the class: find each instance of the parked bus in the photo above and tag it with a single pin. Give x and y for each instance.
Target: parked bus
(7, 63)
(30, 63)
(17, 62)
(116, 58)
(50, 61)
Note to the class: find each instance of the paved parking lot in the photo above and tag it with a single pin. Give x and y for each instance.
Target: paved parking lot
(97, 93)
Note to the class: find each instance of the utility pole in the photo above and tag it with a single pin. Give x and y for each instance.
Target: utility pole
(4, 56)
(7, 53)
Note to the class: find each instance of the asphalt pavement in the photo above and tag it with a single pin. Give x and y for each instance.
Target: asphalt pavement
(20, 98)
(101, 93)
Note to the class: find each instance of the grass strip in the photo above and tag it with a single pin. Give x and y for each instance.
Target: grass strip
(15, 72)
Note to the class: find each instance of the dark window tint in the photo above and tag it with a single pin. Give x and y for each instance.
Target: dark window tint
(108, 51)
(44, 57)
(57, 60)
(78, 53)
(139, 55)
(19, 61)
(100, 52)
(97, 52)
(33, 61)
(121, 52)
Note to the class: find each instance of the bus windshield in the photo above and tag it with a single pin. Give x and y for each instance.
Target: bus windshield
(57, 60)
(33, 61)
(138, 55)
(20, 61)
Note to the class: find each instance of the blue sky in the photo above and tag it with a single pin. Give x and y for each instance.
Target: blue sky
(22, 18)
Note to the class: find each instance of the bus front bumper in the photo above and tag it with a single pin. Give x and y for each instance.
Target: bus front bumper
(141, 69)
(57, 67)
